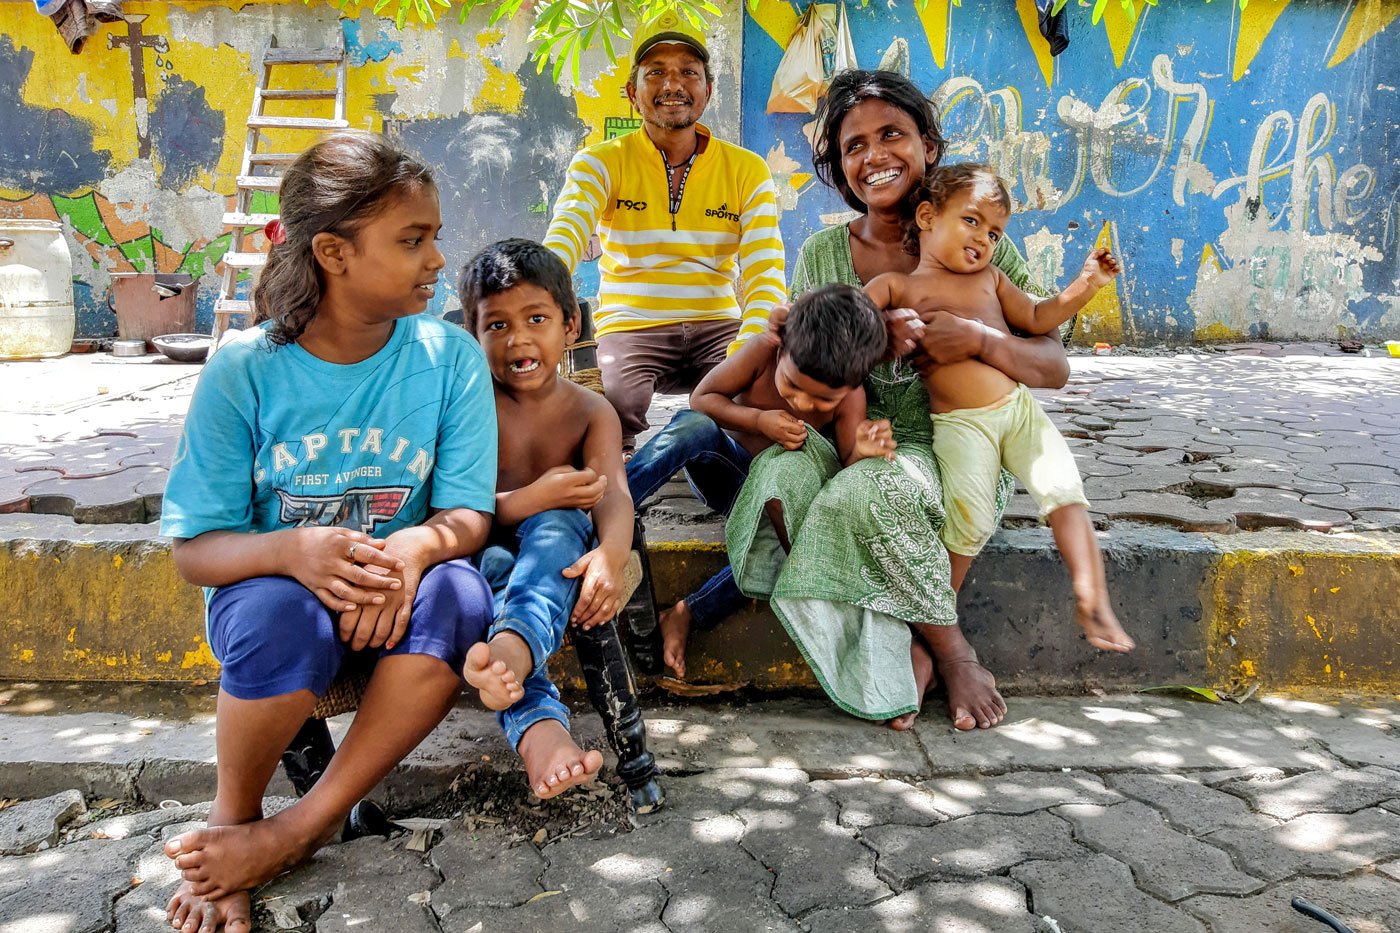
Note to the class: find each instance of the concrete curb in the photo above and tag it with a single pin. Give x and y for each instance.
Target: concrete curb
(1285, 610)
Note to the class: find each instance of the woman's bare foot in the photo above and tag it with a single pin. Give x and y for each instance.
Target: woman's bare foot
(675, 631)
(489, 670)
(924, 680)
(1101, 627)
(190, 913)
(553, 760)
(222, 860)
(973, 700)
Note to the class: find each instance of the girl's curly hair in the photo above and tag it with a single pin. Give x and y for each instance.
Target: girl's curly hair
(939, 186)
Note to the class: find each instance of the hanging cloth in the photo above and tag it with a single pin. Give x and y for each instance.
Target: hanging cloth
(1053, 26)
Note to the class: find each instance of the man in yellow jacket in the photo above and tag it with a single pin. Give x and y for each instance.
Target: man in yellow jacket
(683, 219)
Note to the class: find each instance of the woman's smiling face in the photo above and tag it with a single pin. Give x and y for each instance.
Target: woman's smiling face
(882, 154)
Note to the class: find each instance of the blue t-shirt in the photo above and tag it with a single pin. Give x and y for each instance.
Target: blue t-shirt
(277, 438)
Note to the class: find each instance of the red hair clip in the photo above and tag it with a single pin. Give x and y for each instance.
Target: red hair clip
(275, 232)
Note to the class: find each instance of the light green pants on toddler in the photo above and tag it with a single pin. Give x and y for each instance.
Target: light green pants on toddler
(973, 444)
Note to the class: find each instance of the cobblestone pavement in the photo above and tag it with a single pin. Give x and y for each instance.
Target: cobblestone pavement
(1113, 814)
(1292, 436)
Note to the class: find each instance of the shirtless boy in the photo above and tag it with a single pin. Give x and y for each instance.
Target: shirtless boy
(560, 459)
(771, 391)
(983, 420)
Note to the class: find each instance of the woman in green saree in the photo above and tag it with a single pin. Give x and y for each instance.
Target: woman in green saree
(867, 592)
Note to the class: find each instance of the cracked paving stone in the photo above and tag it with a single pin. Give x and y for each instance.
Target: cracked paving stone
(13, 497)
(706, 881)
(1162, 508)
(874, 801)
(142, 909)
(1320, 792)
(1328, 844)
(365, 881)
(1365, 903)
(1377, 521)
(970, 847)
(1166, 863)
(34, 823)
(68, 889)
(1350, 473)
(722, 792)
(1014, 794)
(482, 869)
(1390, 869)
(1253, 508)
(1360, 496)
(1226, 482)
(1096, 893)
(816, 862)
(987, 904)
(108, 499)
(594, 906)
(153, 821)
(1189, 805)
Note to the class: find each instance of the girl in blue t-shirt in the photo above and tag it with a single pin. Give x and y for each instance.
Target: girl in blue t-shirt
(338, 466)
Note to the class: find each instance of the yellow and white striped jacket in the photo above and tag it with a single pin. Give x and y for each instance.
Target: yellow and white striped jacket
(651, 274)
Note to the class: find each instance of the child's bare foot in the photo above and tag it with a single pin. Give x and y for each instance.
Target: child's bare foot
(973, 700)
(222, 860)
(553, 761)
(675, 631)
(491, 675)
(190, 913)
(1101, 626)
(924, 680)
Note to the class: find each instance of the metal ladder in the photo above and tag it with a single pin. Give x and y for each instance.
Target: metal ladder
(261, 171)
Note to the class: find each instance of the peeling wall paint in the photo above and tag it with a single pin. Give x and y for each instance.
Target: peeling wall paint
(149, 192)
(1245, 163)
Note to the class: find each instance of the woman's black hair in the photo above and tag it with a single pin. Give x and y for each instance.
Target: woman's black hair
(332, 187)
(850, 88)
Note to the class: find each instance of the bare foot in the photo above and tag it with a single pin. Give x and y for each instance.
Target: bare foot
(553, 761)
(190, 913)
(491, 675)
(675, 630)
(924, 680)
(973, 700)
(222, 860)
(1101, 626)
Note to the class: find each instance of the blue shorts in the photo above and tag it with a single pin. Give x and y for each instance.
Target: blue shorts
(274, 637)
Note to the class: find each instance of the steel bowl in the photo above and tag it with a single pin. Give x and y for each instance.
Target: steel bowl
(184, 348)
(128, 348)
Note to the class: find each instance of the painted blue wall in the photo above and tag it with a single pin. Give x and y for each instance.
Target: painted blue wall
(1284, 180)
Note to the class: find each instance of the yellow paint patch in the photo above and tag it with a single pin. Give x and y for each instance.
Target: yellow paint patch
(1334, 589)
(73, 635)
(1030, 22)
(26, 656)
(1368, 17)
(1102, 318)
(1255, 23)
(164, 656)
(1247, 668)
(500, 92)
(202, 657)
(1216, 332)
(117, 561)
(935, 17)
(777, 18)
(1295, 569)
(1121, 28)
(798, 179)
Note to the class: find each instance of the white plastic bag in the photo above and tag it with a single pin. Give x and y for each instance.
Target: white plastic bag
(802, 74)
(845, 59)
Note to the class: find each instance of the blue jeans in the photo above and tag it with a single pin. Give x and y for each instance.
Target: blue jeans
(523, 566)
(716, 466)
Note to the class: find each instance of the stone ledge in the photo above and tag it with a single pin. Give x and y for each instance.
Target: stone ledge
(1286, 610)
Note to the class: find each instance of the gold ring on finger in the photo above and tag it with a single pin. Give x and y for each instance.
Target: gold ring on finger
(352, 550)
